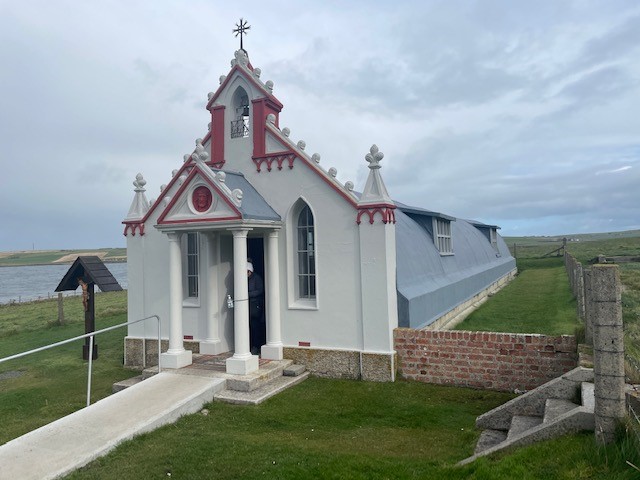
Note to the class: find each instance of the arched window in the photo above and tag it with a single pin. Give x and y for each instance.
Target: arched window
(306, 258)
(240, 122)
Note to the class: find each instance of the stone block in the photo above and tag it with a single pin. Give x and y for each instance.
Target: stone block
(378, 367)
(605, 283)
(606, 314)
(608, 363)
(326, 363)
(606, 407)
(609, 386)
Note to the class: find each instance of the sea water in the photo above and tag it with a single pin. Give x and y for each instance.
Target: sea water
(22, 284)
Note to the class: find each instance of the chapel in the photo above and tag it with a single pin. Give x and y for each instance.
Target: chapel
(342, 268)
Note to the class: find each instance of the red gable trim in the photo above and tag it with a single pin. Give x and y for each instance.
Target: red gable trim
(183, 187)
(248, 77)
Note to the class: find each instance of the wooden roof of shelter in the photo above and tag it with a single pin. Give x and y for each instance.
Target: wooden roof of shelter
(92, 270)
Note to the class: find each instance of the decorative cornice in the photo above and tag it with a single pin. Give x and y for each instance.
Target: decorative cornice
(387, 213)
(279, 158)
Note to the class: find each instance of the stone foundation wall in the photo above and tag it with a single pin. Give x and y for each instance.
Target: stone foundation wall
(133, 349)
(495, 361)
(349, 364)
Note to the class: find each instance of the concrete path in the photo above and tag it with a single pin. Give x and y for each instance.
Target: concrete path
(75, 440)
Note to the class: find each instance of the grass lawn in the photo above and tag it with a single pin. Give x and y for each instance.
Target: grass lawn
(537, 301)
(338, 429)
(45, 386)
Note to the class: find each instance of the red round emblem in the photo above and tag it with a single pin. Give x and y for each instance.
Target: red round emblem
(201, 199)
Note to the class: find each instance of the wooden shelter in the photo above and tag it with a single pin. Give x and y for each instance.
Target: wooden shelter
(87, 272)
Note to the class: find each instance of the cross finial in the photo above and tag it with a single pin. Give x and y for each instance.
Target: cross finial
(241, 29)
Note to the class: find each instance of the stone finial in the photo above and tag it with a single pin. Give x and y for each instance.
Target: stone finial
(237, 196)
(349, 186)
(209, 95)
(200, 155)
(139, 183)
(269, 85)
(301, 144)
(316, 157)
(181, 179)
(166, 200)
(257, 72)
(233, 63)
(186, 157)
(152, 201)
(241, 57)
(333, 172)
(173, 173)
(374, 157)
(222, 79)
(222, 177)
(271, 118)
(162, 187)
(286, 132)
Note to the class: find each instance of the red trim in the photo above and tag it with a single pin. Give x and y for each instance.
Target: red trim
(133, 225)
(183, 187)
(217, 137)
(278, 157)
(188, 337)
(386, 213)
(248, 77)
(304, 344)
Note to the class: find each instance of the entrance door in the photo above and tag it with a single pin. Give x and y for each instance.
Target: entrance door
(257, 323)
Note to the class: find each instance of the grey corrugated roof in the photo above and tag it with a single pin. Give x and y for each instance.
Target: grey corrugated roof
(254, 206)
(429, 284)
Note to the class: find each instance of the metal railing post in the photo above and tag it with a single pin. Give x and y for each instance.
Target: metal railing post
(91, 337)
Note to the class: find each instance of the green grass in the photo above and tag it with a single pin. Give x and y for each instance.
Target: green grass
(52, 384)
(338, 429)
(538, 300)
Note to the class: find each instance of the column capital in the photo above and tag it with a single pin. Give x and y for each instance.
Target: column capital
(240, 232)
(273, 233)
(174, 236)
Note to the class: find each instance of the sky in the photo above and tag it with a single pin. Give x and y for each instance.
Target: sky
(516, 113)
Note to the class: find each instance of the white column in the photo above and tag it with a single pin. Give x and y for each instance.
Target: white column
(273, 349)
(176, 356)
(211, 345)
(242, 361)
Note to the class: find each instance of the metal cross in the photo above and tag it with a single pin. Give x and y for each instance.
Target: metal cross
(241, 29)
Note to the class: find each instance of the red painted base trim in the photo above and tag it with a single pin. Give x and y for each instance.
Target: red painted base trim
(304, 344)
(188, 337)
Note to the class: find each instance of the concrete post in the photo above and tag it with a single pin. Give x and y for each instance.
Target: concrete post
(608, 351)
(588, 307)
(580, 290)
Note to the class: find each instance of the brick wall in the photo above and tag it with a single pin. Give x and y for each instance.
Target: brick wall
(496, 361)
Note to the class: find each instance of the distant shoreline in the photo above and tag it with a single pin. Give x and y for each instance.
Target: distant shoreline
(26, 258)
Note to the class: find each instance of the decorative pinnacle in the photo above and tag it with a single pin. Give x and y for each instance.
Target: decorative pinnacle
(374, 157)
(139, 183)
(241, 29)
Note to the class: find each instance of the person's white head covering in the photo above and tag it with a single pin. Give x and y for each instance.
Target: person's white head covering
(250, 267)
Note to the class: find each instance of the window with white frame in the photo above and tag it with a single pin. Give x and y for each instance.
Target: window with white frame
(192, 265)
(442, 236)
(305, 262)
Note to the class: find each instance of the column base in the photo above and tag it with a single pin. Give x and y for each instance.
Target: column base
(211, 347)
(242, 366)
(271, 352)
(176, 360)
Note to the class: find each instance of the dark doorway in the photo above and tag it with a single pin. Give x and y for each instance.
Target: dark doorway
(255, 253)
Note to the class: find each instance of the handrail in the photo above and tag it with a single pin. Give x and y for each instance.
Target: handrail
(92, 334)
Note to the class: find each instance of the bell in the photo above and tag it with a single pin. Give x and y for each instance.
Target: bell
(245, 111)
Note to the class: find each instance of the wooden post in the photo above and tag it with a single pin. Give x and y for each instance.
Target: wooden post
(60, 310)
(89, 322)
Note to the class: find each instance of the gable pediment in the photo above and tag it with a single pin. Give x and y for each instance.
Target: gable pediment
(199, 199)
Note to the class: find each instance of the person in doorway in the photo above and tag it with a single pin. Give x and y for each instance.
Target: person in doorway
(256, 309)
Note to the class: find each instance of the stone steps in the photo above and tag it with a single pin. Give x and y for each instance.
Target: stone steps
(259, 395)
(544, 413)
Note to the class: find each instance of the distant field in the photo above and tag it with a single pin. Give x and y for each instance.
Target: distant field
(46, 257)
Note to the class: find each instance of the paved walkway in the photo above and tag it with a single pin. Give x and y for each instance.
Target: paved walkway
(73, 441)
